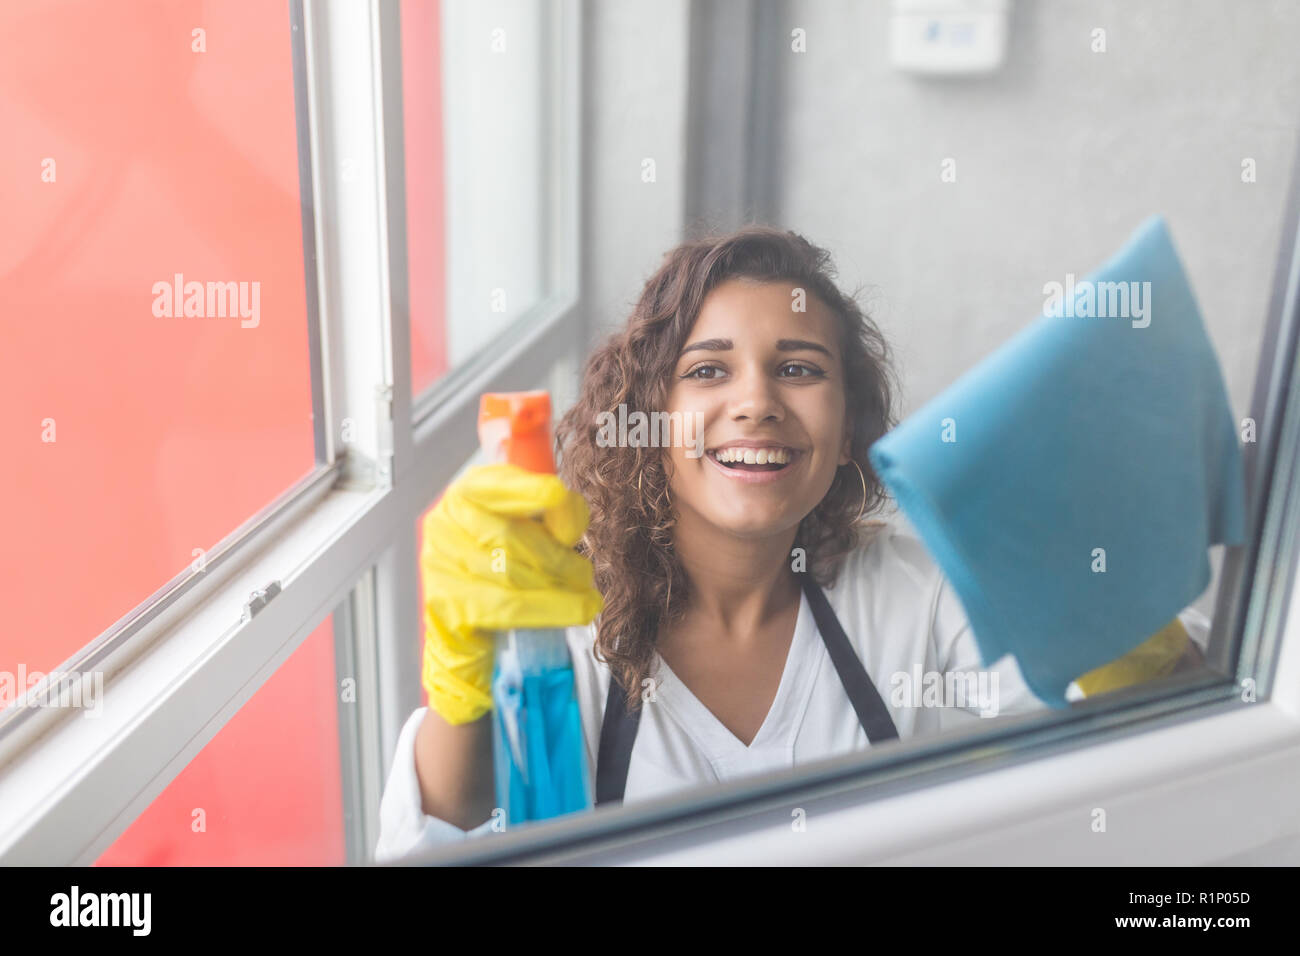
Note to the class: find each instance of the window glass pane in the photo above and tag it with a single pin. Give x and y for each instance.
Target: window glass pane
(266, 790)
(473, 79)
(950, 232)
(422, 131)
(148, 147)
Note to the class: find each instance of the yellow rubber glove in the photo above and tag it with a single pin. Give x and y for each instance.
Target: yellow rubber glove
(498, 554)
(1154, 657)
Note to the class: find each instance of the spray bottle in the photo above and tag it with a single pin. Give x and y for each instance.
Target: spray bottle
(538, 751)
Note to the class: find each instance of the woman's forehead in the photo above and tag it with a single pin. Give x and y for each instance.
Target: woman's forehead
(761, 313)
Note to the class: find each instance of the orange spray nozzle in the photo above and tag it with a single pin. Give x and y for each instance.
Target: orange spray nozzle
(515, 428)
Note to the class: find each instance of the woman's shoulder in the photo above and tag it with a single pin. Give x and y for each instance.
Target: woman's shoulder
(590, 675)
(889, 582)
(891, 557)
(581, 639)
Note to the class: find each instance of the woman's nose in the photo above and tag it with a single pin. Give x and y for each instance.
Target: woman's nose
(756, 399)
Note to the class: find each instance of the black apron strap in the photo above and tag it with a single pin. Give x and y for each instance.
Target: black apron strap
(617, 734)
(618, 728)
(872, 713)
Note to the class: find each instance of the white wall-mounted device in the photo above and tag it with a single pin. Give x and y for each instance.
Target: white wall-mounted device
(949, 36)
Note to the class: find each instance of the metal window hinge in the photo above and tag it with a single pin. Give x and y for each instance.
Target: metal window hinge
(258, 600)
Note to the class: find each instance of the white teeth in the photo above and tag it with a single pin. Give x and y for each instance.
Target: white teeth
(752, 456)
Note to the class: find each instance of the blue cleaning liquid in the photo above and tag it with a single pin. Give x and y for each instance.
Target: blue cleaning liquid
(539, 754)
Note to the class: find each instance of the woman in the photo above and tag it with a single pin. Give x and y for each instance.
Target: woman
(733, 648)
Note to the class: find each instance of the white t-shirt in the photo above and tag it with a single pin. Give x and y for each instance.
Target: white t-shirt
(904, 623)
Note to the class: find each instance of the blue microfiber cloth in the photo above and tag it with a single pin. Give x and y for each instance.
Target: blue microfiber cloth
(1102, 425)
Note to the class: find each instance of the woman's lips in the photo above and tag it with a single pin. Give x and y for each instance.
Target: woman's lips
(756, 477)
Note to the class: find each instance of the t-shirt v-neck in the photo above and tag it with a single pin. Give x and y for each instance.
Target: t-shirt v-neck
(773, 746)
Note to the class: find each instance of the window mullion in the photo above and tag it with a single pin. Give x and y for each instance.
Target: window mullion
(348, 173)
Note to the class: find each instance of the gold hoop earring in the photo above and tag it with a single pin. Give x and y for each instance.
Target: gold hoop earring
(863, 478)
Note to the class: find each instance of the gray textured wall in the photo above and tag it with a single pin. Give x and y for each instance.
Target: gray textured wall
(635, 76)
(1058, 157)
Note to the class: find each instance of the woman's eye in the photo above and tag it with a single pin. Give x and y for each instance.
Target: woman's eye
(803, 371)
(694, 373)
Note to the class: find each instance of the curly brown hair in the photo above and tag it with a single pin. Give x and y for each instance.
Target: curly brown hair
(630, 537)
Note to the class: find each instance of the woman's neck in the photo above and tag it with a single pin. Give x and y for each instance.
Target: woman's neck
(736, 583)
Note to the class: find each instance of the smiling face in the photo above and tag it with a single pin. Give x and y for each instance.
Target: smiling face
(767, 382)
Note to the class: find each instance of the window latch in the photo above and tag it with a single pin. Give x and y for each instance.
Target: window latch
(258, 600)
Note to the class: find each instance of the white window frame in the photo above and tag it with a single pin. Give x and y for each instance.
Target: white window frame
(69, 785)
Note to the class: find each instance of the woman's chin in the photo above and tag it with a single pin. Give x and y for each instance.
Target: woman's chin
(752, 526)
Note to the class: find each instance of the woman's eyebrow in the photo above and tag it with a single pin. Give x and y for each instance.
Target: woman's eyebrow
(782, 345)
(709, 345)
(799, 345)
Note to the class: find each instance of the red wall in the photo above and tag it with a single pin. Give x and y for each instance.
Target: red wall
(171, 431)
